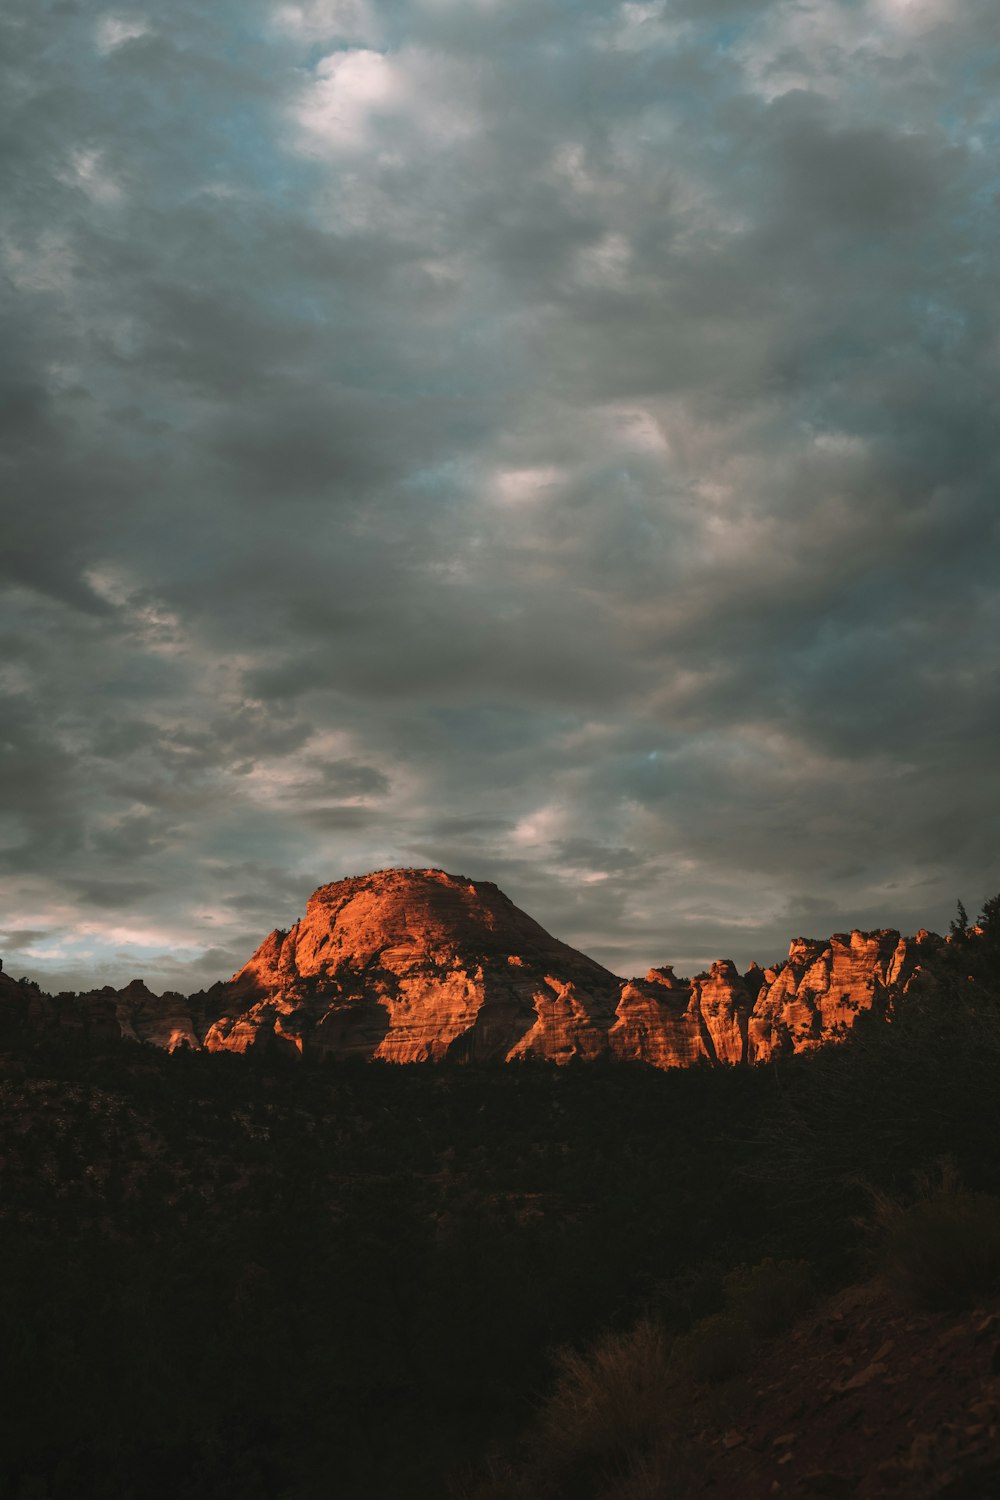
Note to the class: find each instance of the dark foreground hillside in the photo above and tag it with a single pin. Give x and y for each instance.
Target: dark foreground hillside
(228, 1278)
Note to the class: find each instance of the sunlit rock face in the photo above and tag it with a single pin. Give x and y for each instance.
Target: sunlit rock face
(657, 1022)
(673, 1022)
(422, 966)
(809, 1001)
(415, 966)
(816, 996)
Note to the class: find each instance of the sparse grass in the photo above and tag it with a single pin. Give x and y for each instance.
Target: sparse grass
(942, 1248)
(499, 1481)
(651, 1476)
(611, 1427)
(608, 1412)
(714, 1350)
(769, 1297)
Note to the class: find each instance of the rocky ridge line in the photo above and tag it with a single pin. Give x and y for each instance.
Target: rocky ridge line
(420, 965)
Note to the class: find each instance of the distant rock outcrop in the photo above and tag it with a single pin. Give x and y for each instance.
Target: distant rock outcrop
(169, 1020)
(816, 996)
(422, 966)
(811, 999)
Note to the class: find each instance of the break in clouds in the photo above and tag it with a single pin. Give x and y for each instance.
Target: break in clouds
(553, 441)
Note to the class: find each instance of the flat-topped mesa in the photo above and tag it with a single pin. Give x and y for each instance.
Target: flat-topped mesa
(415, 965)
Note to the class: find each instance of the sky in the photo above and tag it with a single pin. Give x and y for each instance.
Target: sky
(553, 441)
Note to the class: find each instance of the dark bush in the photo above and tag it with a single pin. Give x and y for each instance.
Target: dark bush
(769, 1297)
(942, 1249)
(609, 1407)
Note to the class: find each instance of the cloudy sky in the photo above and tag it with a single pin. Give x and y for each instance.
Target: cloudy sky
(555, 441)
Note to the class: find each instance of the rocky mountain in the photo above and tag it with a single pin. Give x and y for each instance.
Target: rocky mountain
(415, 966)
(420, 965)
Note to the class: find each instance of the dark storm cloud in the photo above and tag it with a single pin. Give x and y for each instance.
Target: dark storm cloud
(114, 895)
(551, 441)
(16, 939)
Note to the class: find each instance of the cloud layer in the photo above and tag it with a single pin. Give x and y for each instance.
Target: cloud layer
(552, 441)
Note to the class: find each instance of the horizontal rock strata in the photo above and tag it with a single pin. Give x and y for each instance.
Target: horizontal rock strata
(421, 966)
(416, 966)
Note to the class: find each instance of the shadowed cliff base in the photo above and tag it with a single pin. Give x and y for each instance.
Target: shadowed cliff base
(423, 966)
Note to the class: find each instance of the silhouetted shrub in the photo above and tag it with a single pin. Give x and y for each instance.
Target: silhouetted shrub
(758, 1301)
(609, 1408)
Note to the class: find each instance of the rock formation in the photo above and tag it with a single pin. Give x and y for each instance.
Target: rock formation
(419, 965)
(134, 1013)
(816, 996)
(414, 966)
(811, 999)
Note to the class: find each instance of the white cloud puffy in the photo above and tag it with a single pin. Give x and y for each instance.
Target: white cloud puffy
(114, 31)
(392, 105)
(351, 89)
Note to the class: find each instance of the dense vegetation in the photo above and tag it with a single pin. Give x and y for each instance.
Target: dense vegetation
(220, 1278)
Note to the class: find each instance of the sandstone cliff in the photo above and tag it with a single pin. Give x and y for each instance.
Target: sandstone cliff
(412, 966)
(419, 965)
(810, 1000)
(816, 996)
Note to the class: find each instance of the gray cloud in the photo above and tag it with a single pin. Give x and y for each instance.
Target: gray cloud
(552, 441)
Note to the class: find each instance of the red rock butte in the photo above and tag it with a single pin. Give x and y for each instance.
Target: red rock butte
(421, 966)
